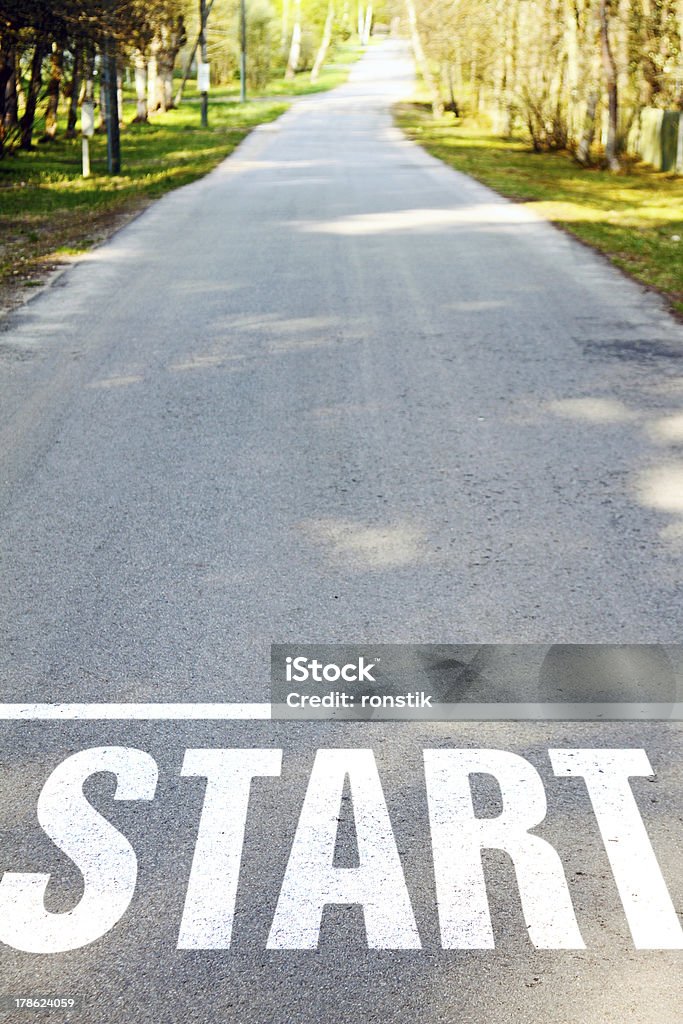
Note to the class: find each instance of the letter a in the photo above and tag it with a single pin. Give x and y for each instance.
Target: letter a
(311, 881)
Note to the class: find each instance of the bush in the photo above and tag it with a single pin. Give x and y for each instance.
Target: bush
(546, 123)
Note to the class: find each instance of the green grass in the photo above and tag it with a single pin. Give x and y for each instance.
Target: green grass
(634, 217)
(49, 212)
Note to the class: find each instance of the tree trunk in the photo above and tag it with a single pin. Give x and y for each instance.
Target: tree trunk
(6, 73)
(53, 89)
(18, 83)
(451, 89)
(170, 39)
(575, 63)
(498, 74)
(284, 30)
(610, 72)
(165, 85)
(140, 66)
(111, 87)
(119, 96)
(679, 146)
(104, 101)
(418, 50)
(295, 45)
(72, 116)
(29, 116)
(474, 86)
(153, 84)
(324, 44)
(88, 90)
(589, 70)
(510, 68)
(583, 150)
(367, 25)
(459, 80)
(12, 93)
(88, 76)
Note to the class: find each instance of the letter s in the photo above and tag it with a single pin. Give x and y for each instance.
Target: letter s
(300, 667)
(104, 857)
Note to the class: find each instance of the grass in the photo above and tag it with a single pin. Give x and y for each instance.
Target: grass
(49, 212)
(634, 217)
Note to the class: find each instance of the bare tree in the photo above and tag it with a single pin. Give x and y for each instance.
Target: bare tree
(324, 43)
(610, 72)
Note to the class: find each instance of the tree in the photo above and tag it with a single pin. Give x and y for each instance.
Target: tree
(573, 73)
(610, 73)
(324, 43)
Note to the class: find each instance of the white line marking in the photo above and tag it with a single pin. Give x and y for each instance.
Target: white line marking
(464, 712)
(520, 711)
(469, 711)
(133, 712)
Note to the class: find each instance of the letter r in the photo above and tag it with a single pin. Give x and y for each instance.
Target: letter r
(458, 838)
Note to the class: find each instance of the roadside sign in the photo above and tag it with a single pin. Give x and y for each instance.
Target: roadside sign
(203, 77)
(88, 119)
(87, 132)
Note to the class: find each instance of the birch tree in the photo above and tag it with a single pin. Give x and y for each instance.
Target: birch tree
(573, 73)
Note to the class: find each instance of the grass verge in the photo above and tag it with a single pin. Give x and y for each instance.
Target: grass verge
(49, 212)
(635, 217)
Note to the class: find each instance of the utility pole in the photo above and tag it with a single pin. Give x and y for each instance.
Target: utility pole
(203, 53)
(112, 112)
(243, 51)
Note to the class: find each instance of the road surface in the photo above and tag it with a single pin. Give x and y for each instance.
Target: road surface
(333, 392)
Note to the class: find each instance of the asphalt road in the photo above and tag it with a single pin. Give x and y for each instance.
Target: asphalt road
(333, 392)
